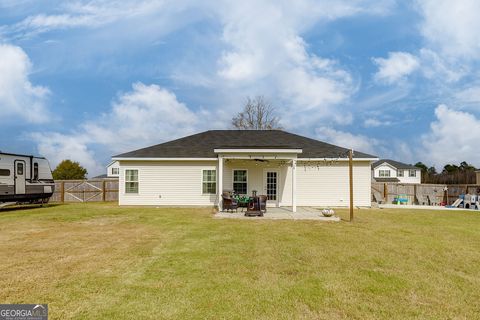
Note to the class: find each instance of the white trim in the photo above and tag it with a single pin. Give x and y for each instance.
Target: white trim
(388, 165)
(165, 159)
(258, 150)
(264, 180)
(233, 177)
(294, 186)
(125, 193)
(251, 157)
(111, 162)
(260, 156)
(202, 182)
(219, 182)
(337, 159)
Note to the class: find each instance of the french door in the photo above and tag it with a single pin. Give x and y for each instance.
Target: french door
(270, 186)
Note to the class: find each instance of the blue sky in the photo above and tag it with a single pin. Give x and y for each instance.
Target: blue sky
(89, 79)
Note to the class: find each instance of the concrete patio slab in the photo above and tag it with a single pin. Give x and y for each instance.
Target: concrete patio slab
(283, 213)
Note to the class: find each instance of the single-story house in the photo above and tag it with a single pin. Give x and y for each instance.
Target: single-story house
(290, 169)
(386, 170)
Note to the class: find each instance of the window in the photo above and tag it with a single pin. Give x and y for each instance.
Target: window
(240, 181)
(4, 173)
(400, 173)
(384, 173)
(209, 181)
(35, 171)
(131, 181)
(412, 173)
(115, 170)
(20, 168)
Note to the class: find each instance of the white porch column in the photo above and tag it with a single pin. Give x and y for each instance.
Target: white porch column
(294, 185)
(220, 181)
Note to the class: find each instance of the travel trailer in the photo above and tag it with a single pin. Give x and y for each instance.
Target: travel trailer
(25, 179)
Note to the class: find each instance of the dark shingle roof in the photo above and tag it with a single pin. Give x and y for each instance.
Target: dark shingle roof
(386, 179)
(393, 163)
(202, 145)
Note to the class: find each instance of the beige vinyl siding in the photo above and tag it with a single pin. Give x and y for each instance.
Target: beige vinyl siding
(179, 183)
(170, 183)
(329, 185)
(255, 173)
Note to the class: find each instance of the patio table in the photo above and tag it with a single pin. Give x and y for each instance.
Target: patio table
(243, 201)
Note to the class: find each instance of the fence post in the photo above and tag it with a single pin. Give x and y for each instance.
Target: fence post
(104, 190)
(62, 194)
(385, 192)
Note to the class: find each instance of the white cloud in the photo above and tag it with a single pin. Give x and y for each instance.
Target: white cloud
(451, 27)
(396, 67)
(437, 68)
(348, 140)
(89, 14)
(265, 45)
(144, 116)
(262, 50)
(372, 123)
(74, 146)
(19, 98)
(453, 138)
(148, 114)
(469, 95)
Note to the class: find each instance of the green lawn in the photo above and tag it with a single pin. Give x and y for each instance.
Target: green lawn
(99, 261)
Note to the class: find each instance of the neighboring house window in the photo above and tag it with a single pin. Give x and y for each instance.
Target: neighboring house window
(240, 181)
(35, 171)
(4, 173)
(400, 173)
(115, 170)
(412, 173)
(209, 182)
(384, 173)
(131, 181)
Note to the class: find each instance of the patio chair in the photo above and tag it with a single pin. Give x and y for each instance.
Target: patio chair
(263, 203)
(228, 203)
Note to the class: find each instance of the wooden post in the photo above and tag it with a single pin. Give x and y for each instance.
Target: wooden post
(104, 191)
(385, 192)
(62, 191)
(350, 172)
(414, 193)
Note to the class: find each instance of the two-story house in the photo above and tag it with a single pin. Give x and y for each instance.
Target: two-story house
(386, 170)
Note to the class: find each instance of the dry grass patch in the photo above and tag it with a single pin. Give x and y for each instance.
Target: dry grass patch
(99, 261)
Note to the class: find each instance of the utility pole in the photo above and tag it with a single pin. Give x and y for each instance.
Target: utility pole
(350, 171)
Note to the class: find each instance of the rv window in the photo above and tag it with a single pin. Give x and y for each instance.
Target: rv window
(35, 171)
(4, 173)
(20, 168)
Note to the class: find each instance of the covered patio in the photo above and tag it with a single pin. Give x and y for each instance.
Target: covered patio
(251, 172)
(281, 213)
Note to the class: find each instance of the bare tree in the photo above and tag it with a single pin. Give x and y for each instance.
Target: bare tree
(257, 114)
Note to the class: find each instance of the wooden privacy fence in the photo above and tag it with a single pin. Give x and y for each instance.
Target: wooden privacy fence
(85, 190)
(423, 194)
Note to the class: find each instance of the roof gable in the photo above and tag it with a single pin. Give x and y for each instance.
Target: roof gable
(202, 145)
(394, 164)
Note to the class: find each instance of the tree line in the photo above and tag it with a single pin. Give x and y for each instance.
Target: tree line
(464, 173)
